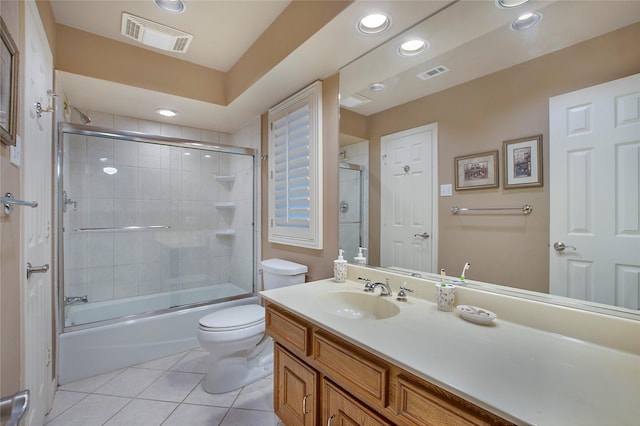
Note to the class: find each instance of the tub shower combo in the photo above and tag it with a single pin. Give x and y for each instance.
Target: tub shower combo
(153, 233)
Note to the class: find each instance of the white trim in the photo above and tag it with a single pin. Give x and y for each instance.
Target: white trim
(299, 232)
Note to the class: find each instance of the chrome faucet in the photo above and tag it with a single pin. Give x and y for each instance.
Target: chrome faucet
(385, 288)
(72, 300)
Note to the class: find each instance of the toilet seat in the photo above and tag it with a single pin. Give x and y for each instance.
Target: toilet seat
(232, 319)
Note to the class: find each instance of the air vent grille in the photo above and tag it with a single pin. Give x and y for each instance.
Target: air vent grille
(440, 69)
(155, 35)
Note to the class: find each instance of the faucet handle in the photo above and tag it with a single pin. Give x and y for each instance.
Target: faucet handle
(367, 285)
(402, 296)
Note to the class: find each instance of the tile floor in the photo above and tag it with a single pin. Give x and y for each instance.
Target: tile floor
(166, 392)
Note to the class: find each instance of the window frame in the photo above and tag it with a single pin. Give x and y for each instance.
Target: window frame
(290, 230)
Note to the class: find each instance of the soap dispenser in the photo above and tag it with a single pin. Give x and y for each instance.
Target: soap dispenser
(360, 259)
(340, 268)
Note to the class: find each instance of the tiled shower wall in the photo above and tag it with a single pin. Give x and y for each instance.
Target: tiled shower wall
(208, 242)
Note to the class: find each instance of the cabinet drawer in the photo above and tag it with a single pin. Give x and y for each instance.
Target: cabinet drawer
(365, 376)
(292, 332)
(426, 404)
(339, 408)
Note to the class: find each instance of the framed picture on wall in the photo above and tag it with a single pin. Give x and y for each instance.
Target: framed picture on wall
(477, 171)
(523, 162)
(8, 87)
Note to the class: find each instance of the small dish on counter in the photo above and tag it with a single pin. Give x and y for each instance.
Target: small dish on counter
(476, 314)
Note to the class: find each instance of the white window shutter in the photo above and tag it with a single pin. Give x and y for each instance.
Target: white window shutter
(295, 169)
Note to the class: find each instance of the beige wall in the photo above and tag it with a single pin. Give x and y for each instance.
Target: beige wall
(478, 116)
(11, 12)
(320, 262)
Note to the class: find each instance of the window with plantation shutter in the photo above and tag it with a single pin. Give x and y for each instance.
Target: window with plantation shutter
(295, 169)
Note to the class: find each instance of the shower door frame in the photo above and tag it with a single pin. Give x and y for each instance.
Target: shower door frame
(58, 245)
(360, 169)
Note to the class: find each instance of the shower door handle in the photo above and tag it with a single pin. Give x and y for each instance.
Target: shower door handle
(39, 269)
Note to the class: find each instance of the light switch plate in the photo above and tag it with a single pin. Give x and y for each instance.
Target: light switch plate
(446, 190)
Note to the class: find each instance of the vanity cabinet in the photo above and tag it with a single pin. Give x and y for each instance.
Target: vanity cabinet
(321, 379)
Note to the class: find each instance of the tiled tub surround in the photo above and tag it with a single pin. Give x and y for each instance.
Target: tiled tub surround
(537, 364)
(155, 185)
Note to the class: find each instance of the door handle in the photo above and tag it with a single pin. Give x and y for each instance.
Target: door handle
(423, 235)
(36, 269)
(559, 246)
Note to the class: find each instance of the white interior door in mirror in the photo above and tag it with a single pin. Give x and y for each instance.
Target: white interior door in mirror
(594, 213)
(408, 215)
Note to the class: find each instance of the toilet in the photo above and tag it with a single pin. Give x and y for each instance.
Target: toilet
(240, 351)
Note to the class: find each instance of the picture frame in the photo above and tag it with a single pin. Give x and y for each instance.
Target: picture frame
(477, 171)
(8, 86)
(523, 162)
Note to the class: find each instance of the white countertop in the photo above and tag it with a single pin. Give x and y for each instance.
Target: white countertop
(523, 374)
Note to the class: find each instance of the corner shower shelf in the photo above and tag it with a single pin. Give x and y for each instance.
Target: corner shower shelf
(225, 232)
(225, 178)
(225, 205)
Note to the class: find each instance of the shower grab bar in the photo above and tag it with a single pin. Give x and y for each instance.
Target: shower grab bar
(526, 209)
(123, 228)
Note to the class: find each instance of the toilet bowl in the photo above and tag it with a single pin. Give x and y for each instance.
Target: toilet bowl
(239, 350)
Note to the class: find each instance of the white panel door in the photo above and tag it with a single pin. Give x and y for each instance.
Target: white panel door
(408, 203)
(36, 222)
(595, 194)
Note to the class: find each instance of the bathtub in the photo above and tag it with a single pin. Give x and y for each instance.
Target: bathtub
(90, 351)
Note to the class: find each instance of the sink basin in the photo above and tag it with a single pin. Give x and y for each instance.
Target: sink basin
(352, 305)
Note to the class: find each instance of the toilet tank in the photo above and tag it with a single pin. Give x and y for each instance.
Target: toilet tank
(280, 273)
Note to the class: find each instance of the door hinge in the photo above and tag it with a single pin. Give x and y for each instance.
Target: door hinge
(48, 361)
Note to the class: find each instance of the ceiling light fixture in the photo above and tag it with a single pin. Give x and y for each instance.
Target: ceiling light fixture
(171, 6)
(377, 87)
(412, 47)
(510, 4)
(167, 112)
(526, 21)
(374, 23)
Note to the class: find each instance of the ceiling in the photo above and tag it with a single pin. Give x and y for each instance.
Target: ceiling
(223, 31)
(471, 37)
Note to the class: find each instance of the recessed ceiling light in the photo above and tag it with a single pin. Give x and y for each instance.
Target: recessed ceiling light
(412, 47)
(508, 4)
(110, 170)
(526, 21)
(171, 6)
(377, 87)
(167, 112)
(374, 23)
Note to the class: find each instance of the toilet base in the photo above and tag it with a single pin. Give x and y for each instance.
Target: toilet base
(234, 372)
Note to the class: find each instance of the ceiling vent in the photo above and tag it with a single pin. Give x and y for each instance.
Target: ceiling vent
(426, 75)
(155, 35)
(354, 100)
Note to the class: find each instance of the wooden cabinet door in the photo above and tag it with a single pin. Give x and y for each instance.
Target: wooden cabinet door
(295, 389)
(340, 409)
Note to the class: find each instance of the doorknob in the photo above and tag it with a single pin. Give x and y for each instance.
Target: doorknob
(39, 269)
(423, 235)
(559, 246)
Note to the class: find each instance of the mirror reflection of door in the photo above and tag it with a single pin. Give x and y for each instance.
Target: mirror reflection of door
(408, 213)
(594, 249)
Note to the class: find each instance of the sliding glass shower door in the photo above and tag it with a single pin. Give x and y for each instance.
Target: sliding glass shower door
(149, 225)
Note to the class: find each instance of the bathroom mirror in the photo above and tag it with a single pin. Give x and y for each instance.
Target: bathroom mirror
(485, 83)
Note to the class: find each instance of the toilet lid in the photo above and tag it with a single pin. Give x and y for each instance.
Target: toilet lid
(233, 318)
